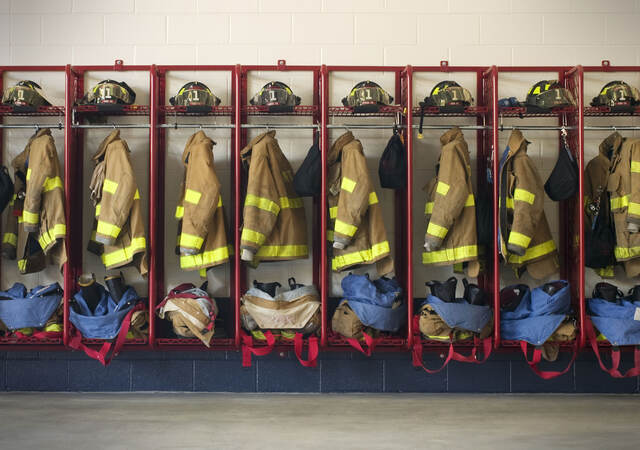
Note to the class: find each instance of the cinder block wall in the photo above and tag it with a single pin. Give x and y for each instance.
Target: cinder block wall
(349, 32)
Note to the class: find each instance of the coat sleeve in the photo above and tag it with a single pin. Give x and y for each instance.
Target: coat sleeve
(528, 205)
(451, 196)
(633, 212)
(118, 192)
(39, 181)
(356, 194)
(261, 206)
(201, 199)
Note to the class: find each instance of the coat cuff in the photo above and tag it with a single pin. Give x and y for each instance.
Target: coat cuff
(433, 242)
(30, 227)
(247, 254)
(105, 240)
(188, 251)
(339, 241)
(634, 220)
(516, 249)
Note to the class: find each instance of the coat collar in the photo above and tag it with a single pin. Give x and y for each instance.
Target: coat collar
(338, 145)
(196, 138)
(451, 135)
(515, 143)
(245, 153)
(102, 148)
(611, 145)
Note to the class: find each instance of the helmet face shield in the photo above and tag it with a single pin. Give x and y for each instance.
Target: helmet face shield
(110, 92)
(25, 93)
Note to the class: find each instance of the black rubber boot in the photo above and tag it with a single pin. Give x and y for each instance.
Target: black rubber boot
(116, 286)
(473, 294)
(293, 285)
(634, 293)
(90, 290)
(606, 291)
(269, 288)
(445, 291)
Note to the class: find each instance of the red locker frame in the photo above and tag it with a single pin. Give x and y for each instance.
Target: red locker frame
(571, 246)
(331, 341)
(74, 185)
(481, 112)
(600, 111)
(162, 114)
(35, 344)
(242, 112)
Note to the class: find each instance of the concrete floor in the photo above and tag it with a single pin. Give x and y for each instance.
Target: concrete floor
(336, 422)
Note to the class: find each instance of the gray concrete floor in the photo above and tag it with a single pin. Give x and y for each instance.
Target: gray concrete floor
(336, 422)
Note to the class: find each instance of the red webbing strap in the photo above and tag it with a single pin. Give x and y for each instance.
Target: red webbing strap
(615, 355)
(313, 350)
(248, 348)
(370, 341)
(101, 355)
(417, 357)
(453, 355)
(537, 356)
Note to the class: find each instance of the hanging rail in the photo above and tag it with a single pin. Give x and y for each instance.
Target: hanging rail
(280, 126)
(195, 125)
(36, 126)
(123, 125)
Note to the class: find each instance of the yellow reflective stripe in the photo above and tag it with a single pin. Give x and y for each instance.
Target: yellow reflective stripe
(519, 239)
(436, 230)
(22, 264)
(606, 272)
(202, 273)
(509, 203)
(619, 202)
(51, 183)
(634, 208)
(373, 198)
(253, 236)
(534, 252)
(283, 251)
(219, 201)
(53, 233)
(109, 186)
(471, 201)
(262, 203)
(330, 235)
(179, 212)
(124, 254)
(345, 228)
(192, 196)
(190, 241)
(442, 188)
(53, 327)
(348, 184)
(20, 219)
(524, 196)
(333, 212)
(428, 208)
(30, 217)
(207, 258)
(290, 202)
(349, 259)
(450, 254)
(98, 208)
(28, 173)
(10, 238)
(107, 229)
(635, 166)
(136, 196)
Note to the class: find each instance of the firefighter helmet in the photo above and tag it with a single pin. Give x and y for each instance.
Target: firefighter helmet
(448, 94)
(194, 93)
(277, 96)
(367, 96)
(25, 93)
(548, 94)
(110, 92)
(617, 95)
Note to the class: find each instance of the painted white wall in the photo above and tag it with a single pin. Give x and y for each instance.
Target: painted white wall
(371, 32)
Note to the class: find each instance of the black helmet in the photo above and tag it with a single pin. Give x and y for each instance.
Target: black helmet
(448, 94)
(618, 95)
(194, 93)
(367, 96)
(548, 94)
(277, 96)
(25, 93)
(110, 92)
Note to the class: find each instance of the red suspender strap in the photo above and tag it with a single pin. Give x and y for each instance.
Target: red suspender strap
(248, 348)
(537, 356)
(615, 355)
(313, 350)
